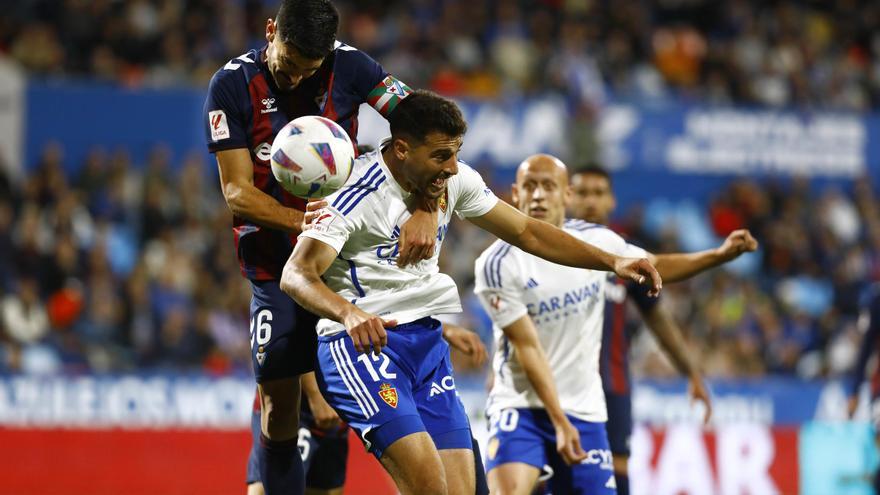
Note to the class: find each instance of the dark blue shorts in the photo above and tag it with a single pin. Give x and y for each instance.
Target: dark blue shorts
(619, 425)
(527, 436)
(324, 453)
(283, 339)
(407, 389)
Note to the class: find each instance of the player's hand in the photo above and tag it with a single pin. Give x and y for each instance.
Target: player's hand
(697, 391)
(325, 417)
(738, 242)
(568, 443)
(852, 404)
(313, 210)
(417, 237)
(466, 342)
(641, 271)
(367, 331)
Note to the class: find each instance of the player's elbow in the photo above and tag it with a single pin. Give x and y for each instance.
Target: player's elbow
(236, 198)
(289, 277)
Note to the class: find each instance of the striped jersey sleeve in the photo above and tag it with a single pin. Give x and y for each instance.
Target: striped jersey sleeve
(498, 285)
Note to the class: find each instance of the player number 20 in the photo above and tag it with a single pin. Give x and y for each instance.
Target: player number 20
(261, 329)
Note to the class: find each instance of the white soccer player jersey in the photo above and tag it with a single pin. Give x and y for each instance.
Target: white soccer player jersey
(362, 224)
(566, 306)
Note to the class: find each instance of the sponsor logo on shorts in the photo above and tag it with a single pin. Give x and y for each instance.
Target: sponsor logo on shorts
(602, 457)
(446, 384)
(611, 483)
(388, 394)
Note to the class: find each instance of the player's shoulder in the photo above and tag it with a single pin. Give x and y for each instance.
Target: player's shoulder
(595, 233)
(367, 175)
(236, 72)
(350, 60)
(495, 253)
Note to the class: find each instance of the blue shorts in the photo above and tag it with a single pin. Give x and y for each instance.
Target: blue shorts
(528, 436)
(407, 389)
(283, 340)
(324, 453)
(619, 425)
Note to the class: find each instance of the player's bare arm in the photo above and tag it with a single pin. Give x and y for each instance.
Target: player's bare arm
(466, 342)
(680, 266)
(553, 244)
(246, 200)
(302, 281)
(418, 234)
(325, 417)
(524, 338)
(669, 336)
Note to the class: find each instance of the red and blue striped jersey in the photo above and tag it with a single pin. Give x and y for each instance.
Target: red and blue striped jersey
(618, 330)
(245, 109)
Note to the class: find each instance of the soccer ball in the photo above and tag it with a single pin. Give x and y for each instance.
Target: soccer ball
(312, 157)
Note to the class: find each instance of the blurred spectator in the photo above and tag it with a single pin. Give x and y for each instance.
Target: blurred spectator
(793, 52)
(24, 315)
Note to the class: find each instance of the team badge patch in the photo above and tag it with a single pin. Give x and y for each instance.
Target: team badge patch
(443, 202)
(261, 356)
(388, 394)
(494, 443)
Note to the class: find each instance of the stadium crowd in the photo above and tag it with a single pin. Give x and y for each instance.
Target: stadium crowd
(783, 53)
(129, 266)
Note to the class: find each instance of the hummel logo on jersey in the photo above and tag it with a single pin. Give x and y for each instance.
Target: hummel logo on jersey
(531, 284)
(268, 102)
(446, 384)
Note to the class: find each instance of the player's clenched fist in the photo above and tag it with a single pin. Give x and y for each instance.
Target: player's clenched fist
(313, 210)
(367, 331)
(737, 242)
(642, 271)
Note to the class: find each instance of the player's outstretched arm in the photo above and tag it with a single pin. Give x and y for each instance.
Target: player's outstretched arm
(679, 266)
(523, 336)
(301, 280)
(669, 336)
(325, 417)
(246, 200)
(553, 244)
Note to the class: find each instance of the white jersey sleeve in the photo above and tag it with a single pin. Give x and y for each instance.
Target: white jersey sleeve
(499, 286)
(332, 227)
(474, 198)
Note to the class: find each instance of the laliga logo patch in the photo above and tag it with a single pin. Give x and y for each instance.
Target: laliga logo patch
(495, 302)
(388, 394)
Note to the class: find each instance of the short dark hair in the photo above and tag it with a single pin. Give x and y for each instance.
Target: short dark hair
(423, 112)
(308, 25)
(592, 169)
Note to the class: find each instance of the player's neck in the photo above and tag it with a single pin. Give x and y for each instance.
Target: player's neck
(395, 166)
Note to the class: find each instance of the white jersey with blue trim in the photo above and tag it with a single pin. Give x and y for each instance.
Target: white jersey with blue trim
(362, 224)
(566, 306)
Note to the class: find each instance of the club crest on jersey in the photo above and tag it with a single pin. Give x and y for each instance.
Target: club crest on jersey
(443, 202)
(261, 356)
(388, 394)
